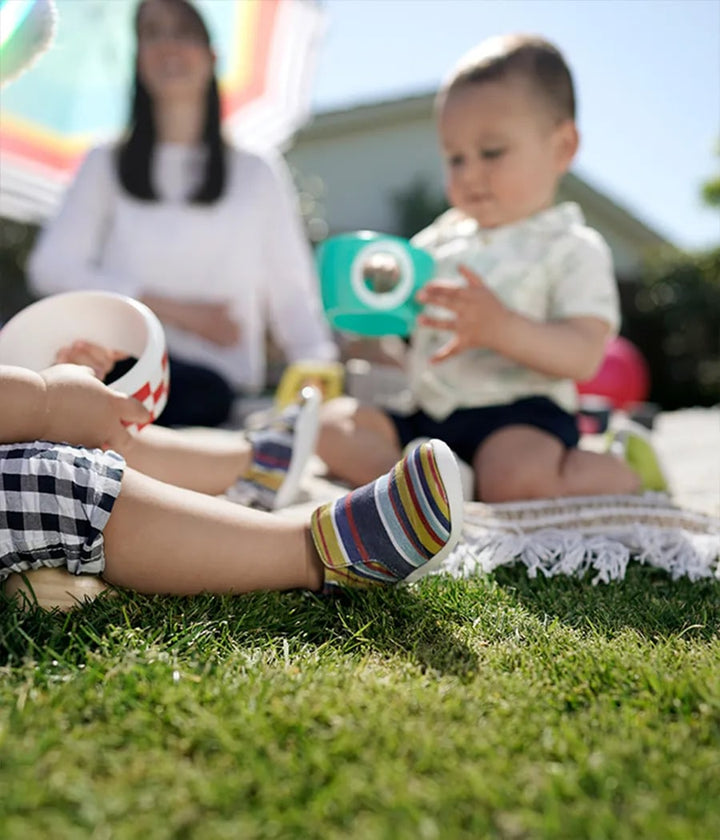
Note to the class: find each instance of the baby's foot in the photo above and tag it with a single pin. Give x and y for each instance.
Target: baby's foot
(280, 453)
(398, 528)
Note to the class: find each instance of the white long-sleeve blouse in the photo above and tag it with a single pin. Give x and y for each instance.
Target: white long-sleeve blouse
(248, 248)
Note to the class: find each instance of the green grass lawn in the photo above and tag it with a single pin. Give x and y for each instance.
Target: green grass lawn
(498, 707)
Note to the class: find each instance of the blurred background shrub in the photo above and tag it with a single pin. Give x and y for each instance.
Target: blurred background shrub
(16, 240)
(672, 314)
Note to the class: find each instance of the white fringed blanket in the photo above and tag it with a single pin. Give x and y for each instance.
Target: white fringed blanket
(597, 535)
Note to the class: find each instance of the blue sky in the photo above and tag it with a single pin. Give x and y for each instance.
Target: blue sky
(647, 74)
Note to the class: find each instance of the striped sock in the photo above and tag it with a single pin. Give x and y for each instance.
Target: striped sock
(399, 527)
(280, 453)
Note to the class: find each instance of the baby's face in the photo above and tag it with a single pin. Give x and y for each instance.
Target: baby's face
(504, 154)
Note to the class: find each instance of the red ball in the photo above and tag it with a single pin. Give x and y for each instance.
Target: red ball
(623, 377)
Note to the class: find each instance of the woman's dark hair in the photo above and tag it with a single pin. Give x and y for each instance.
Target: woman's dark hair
(135, 154)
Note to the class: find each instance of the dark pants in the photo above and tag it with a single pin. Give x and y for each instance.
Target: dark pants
(466, 429)
(198, 397)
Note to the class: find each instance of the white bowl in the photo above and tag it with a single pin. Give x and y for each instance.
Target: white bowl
(34, 336)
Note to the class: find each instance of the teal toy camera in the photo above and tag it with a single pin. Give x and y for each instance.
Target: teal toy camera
(354, 301)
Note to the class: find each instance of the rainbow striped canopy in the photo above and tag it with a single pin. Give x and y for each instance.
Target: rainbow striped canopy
(77, 94)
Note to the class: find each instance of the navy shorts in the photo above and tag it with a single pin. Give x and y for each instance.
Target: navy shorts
(466, 429)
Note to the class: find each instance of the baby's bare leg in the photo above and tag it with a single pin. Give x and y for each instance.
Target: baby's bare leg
(207, 460)
(357, 442)
(165, 539)
(522, 462)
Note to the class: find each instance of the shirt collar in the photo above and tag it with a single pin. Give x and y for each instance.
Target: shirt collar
(556, 219)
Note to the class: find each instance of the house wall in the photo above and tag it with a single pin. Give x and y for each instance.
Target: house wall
(362, 170)
(363, 165)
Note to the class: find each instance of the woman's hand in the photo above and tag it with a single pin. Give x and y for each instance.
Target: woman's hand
(100, 359)
(211, 321)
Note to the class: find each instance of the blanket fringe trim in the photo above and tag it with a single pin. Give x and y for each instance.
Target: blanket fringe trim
(597, 535)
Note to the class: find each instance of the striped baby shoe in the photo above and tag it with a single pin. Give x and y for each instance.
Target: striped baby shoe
(467, 473)
(398, 528)
(280, 453)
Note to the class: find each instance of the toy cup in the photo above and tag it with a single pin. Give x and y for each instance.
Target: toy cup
(353, 302)
(34, 336)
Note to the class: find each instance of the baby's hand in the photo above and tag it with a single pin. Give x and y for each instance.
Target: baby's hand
(478, 319)
(83, 411)
(100, 359)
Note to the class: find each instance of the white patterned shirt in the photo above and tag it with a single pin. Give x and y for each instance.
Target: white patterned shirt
(248, 249)
(548, 267)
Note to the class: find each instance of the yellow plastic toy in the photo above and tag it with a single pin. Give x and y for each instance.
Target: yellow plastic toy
(328, 377)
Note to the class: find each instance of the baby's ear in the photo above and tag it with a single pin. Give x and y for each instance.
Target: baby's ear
(567, 141)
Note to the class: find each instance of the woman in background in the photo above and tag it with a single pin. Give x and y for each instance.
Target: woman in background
(207, 235)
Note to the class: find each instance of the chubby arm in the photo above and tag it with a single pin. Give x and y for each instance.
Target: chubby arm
(570, 347)
(64, 404)
(24, 405)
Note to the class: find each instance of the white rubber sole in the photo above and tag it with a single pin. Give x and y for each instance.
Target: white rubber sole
(467, 473)
(306, 432)
(452, 482)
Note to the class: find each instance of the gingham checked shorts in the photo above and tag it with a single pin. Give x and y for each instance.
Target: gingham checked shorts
(55, 501)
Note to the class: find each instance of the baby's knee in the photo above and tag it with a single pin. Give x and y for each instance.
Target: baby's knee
(347, 414)
(517, 483)
(338, 413)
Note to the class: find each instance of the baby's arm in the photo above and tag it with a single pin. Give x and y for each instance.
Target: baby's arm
(64, 403)
(23, 400)
(569, 348)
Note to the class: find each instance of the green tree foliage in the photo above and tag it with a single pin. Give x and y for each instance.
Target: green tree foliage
(673, 316)
(711, 187)
(711, 192)
(416, 206)
(16, 240)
